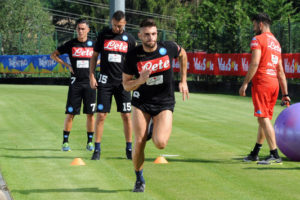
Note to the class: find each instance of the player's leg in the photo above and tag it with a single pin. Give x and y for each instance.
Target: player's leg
(104, 97)
(66, 132)
(72, 108)
(268, 129)
(123, 101)
(140, 121)
(162, 128)
(89, 102)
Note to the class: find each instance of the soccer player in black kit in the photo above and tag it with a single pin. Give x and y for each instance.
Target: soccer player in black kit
(148, 72)
(113, 45)
(80, 51)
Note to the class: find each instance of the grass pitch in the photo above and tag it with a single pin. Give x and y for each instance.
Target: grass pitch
(211, 134)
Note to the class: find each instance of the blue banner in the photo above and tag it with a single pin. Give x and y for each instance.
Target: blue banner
(31, 64)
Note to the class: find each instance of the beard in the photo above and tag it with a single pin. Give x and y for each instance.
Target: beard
(258, 32)
(150, 45)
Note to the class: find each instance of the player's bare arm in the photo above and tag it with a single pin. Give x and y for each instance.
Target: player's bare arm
(183, 87)
(255, 59)
(93, 62)
(55, 56)
(129, 83)
(282, 81)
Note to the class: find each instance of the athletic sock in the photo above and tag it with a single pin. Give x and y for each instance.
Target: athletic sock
(128, 145)
(97, 146)
(139, 176)
(274, 153)
(90, 137)
(256, 149)
(66, 136)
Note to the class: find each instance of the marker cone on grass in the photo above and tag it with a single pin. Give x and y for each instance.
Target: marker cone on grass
(160, 160)
(77, 161)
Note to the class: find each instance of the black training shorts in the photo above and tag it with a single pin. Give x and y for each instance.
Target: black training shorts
(152, 109)
(78, 92)
(104, 98)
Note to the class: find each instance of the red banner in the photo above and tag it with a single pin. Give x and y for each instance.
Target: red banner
(233, 64)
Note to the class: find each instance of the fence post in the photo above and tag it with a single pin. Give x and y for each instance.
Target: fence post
(0, 44)
(290, 32)
(39, 43)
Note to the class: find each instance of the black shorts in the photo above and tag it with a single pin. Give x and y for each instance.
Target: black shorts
(78, 92)
(104, 98)
(152, 109)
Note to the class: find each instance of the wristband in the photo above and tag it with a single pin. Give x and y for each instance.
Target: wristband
(286, 95)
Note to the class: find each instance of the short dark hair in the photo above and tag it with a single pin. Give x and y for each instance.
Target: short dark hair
(118, 15)
(82, 21)
(147, 23)
(262, 17)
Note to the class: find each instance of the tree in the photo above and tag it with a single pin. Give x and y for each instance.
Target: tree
(25, 28)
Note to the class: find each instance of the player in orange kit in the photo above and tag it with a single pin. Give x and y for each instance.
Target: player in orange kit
(265, 71)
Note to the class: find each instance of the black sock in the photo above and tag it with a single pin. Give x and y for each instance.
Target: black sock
(128, 145)
(256, 149)
(274, 153)
(90, 137)
(66, 136)
(139, 176)
(97, 146)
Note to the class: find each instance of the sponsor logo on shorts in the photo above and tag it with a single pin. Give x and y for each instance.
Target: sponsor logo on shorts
(115, 45)
(100, 106)
(82, 52)
(124, 37)
(156, 65)
(136, 94)
(70, 109)
(258, 112)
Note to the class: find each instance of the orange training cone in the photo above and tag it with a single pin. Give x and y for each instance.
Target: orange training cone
(77, 161)
(160, 160)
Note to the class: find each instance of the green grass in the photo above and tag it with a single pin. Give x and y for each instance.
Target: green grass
(211, 134)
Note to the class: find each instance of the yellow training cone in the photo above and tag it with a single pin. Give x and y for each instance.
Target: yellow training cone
(77, 161)
(160, 160)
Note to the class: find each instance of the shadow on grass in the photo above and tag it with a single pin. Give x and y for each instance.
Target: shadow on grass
(188, 160)
(37, 157)
(16, 149)
(272, 167)
(71, 190)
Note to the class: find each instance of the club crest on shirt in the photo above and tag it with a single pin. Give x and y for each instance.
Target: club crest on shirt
(90, 43)
(162, 51)
(124, 37)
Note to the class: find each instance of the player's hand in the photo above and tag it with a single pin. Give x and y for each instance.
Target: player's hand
(183, 88)
(243, 89)
(93, 82)
(70, 68)
(285, 101)
(144, 75)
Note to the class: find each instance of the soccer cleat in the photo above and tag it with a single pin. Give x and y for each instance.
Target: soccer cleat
(66, 147)
(96, 155)
(139, 186)
(251, 158)
(129, 154)
(270, 160)
(90, 146)
(150, 130)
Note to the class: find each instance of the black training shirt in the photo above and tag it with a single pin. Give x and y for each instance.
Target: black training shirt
(79, 54)
(159, 88)
(113, 49)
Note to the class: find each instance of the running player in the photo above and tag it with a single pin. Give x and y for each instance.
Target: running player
(265, 71)
(80, 51)
(149, 73)
(113, 45)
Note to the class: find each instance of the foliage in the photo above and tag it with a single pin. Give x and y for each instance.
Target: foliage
(25, 28)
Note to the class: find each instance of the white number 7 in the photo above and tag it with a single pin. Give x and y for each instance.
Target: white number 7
(73, 79)
(93, 105)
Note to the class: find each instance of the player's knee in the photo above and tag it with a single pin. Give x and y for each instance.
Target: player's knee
(160, 144)
(126, 117)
